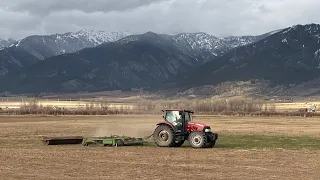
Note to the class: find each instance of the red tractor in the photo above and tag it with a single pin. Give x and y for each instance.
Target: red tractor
(178, 126)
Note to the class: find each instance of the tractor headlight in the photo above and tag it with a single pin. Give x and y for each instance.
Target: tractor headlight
(207, 130)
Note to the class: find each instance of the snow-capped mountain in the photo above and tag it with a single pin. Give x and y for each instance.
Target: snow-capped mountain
(206, 46)
(290, 56)
(94, 60)
(147, 61)
(143, 60)
(201, 42)
(39, 47)
(201, 46)
(55, 44)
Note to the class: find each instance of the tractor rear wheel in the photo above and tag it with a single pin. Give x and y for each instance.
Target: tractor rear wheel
(197, 139)
(163, 136)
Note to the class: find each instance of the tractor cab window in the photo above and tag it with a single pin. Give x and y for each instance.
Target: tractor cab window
(174, 117)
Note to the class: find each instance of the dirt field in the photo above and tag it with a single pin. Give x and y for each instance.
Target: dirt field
(27, 158)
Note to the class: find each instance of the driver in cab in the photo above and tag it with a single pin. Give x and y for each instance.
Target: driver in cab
(174, 117)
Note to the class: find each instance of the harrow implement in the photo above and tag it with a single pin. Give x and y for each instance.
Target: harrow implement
(63, 140)
(113, 140)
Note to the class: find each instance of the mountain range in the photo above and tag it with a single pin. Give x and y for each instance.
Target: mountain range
(95, 60)
(35, 48)
(135, 60)
(290, 56)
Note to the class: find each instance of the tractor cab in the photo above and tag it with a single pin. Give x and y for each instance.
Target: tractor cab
(178, 118)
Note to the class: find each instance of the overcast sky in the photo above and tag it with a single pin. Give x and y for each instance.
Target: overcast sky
(20, 18)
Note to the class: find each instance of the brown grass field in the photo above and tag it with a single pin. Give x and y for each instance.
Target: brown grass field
(23, 156)
(131, 102)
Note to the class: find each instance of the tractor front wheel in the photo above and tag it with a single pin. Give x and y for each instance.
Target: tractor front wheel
(163, 136)
(197, 139)
(210, 144)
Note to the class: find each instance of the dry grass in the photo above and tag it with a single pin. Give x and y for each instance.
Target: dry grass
(88, 125)
(204, 106)
(296, 126)
(27, 158)
(295, 106)
(71, 162)
(123, 105)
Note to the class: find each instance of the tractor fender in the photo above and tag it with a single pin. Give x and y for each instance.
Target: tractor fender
(165, 123)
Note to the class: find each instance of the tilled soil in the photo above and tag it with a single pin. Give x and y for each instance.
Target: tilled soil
(77, 162)
(23, 156)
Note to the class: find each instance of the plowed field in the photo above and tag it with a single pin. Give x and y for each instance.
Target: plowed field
(23, 156)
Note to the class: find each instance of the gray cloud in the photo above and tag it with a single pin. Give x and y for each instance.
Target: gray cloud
(20, 18)
(45, 7)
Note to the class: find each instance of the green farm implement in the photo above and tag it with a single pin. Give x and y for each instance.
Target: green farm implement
(113, 140)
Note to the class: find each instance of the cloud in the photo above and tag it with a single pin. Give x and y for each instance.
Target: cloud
(20, 18)
(45, 7)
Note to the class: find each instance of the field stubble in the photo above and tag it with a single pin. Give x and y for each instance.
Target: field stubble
(23, 155)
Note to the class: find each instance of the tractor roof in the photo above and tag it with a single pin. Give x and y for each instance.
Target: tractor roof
(186, 110)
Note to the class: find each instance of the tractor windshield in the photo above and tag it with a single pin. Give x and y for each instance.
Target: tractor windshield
(174, 117)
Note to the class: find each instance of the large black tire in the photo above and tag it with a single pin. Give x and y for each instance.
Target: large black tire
(211, 140)
(163, 136)
(197, 139)
(179, 144)
(210, 144)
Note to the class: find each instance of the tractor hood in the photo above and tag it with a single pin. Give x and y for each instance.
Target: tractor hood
(196, 126)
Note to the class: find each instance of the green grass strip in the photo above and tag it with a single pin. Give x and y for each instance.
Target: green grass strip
(263, 142)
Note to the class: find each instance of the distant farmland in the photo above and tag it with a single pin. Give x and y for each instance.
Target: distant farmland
(140, 104)
(63, 104)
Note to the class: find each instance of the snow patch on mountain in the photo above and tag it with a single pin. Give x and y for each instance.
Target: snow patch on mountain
(6, 43)
(317, 54)
(274, 32)
(236, 41)
(289, 29)
(199, 41)
(310, 29)
(202, 42)
(97, 37)
(17, 44)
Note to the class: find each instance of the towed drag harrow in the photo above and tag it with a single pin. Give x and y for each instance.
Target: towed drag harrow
(63, 140)
(113, 140)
